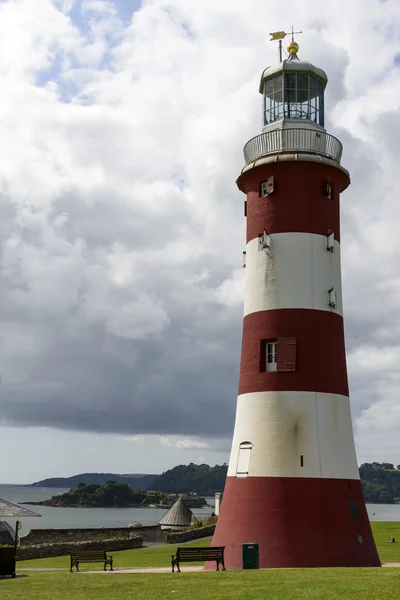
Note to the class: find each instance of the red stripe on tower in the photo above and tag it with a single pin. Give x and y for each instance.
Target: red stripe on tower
(293, 484)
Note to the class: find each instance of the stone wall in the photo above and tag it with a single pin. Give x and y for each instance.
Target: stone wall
(64, 548)
(189, 534)
(151, 533)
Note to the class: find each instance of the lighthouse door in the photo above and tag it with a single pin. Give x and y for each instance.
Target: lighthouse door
(242, 469)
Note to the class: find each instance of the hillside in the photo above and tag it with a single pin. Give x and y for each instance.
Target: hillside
(112, 494)
(186, 479)
(136, 481)
(380, 481)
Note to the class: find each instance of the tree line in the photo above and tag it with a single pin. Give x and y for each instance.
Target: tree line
(185, 479)
(380, 482)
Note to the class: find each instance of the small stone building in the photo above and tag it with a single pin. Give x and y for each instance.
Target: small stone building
(178, 517)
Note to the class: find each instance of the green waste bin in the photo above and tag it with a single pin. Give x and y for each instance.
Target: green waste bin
(250, 555)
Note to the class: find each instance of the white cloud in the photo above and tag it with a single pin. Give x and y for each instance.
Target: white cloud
(121, 228)
(184, 443)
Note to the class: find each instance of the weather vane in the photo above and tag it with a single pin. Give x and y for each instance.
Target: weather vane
(280, 35)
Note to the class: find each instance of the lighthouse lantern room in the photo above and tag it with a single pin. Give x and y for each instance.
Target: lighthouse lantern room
(293, 484)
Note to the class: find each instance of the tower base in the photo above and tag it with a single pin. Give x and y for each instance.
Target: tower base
(297, 522)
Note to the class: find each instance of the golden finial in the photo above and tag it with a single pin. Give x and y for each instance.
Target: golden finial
(293, 47)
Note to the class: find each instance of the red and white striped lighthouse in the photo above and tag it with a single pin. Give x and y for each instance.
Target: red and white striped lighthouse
(293, 484)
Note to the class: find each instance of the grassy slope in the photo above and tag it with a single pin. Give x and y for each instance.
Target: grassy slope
(142, 557)
(158, 557)
(383, 531)
(291, 584)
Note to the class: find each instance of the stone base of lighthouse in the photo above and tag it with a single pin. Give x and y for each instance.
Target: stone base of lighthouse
(297, 522)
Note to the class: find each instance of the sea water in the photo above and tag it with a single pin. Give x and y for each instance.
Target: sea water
(57, 517)
(65, 518)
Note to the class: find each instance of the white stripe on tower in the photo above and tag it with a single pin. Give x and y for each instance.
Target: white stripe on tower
(323, 445)
(296, 271)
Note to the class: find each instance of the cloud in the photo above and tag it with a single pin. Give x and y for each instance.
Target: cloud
(121, 227)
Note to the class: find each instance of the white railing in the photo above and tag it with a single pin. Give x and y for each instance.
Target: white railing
(293, 140)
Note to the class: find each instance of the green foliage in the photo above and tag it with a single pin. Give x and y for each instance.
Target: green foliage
(380, 482)
(198, 523)
(186, 479)
(112, 494)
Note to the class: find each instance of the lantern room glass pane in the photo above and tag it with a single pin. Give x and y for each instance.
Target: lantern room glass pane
(294, 96)
(302, 81)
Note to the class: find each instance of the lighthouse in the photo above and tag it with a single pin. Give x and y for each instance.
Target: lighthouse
(293, 484)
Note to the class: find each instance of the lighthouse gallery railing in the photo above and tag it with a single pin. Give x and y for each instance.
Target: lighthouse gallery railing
(293, 140)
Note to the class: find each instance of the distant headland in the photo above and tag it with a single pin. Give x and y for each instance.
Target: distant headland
(115, 494)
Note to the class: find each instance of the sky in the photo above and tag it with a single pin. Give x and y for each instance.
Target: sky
(122, 125)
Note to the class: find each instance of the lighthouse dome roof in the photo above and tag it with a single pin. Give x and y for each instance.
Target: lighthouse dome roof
(292, 65)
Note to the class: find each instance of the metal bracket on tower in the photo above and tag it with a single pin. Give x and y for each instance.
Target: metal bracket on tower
(264, 241)
(330, 241)
(332, 297)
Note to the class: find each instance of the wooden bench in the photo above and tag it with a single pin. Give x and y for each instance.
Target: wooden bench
(90, 556)
(191, 554)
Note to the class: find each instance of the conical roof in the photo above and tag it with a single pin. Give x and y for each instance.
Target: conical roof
(7, 533)
(179, 515)
(11, 511)
(292, 65)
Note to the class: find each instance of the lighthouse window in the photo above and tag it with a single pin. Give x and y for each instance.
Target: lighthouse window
(267, 187)
(242, 469)
(328, 188)
(271, 356)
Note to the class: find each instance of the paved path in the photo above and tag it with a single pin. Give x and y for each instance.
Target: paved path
(143, 570)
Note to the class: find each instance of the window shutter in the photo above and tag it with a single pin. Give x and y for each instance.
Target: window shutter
(286, 354)
(330, 241)
(332, 297)
(263, 356)
(264, 241)
(245, 208)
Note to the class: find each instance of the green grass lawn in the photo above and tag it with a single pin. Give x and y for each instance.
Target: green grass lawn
(383, 531)
(141, 557)
(160, 557)
(271, 584)
(290, 584)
